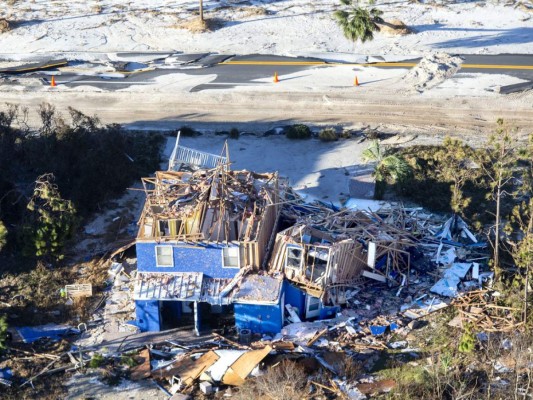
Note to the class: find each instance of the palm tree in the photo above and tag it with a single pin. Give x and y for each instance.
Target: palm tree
(201, 11)
(358, 23)
(388, 168)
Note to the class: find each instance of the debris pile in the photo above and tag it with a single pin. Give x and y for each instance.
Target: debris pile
(431, 71)
(481, 309)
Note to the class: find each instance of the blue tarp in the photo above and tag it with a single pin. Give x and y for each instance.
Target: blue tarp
(30, 334)
(6, 373)
(380, 329)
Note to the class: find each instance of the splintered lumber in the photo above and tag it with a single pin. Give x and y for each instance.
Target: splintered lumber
(283, 346)
(240, 369)
(79, 290)
(46, 370)
(142, 370)
(478, 307)
(331, 389)
(231, 342)
(188, 369)
(317, 336)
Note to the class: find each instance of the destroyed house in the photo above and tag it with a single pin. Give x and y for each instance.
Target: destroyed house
(329, 252)
(201, 230)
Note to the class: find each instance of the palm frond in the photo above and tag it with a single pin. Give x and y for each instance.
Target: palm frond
(396, 168)
(372, 152)
(358, 23)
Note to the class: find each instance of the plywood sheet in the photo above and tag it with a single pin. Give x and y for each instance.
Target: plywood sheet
(240, 369)
(188, 369)
(142, 370)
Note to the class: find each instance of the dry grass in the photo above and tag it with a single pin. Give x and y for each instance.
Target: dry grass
(252, 11)
(97, 8)
(283, 381)
(196, 25)
(394, 27)
(5, 26)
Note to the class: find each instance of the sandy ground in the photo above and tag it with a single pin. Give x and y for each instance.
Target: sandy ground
(251, 110)
(319, 170)
(262, 26)
(88, 386)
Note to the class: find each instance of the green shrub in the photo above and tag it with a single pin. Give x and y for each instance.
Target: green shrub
(127, 359)
(346, 134)
(468, 340)
(298, 131)
(234, 133)
(328, 135)
(96, 361)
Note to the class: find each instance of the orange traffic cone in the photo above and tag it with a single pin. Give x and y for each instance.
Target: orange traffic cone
(356, 82)
(53, 82)
(276, 79)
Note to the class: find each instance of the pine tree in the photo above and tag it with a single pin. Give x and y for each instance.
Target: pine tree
(3, 332)
(520, 225)
(499, 162)
(3, 235)
(51, 220)
(454, 159)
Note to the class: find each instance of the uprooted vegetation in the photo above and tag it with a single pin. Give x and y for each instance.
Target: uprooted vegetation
(88, 164)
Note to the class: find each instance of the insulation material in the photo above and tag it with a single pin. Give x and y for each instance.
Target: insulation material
(227, 358)
(447, 286)
(188, 369)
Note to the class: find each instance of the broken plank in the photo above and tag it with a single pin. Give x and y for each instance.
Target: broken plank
(188, 369)
(376, 277)
(240, 369)
(79, 290)
(317, 336)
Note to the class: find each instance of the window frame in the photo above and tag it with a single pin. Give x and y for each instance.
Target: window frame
(233, 248)
(296, 247)
(157, 264)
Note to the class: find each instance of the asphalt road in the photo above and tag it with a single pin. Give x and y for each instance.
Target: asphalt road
(232, 71)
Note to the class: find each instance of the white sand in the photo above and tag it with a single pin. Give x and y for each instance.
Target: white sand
(285, 27)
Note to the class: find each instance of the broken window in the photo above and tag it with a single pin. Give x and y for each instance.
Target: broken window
(312, 307)
(317, 263)
(230, 257)
(163, 256)
(294, 257)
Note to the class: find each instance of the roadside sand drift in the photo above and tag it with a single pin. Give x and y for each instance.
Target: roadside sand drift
(431, 71)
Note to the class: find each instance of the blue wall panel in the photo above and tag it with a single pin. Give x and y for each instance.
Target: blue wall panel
(206, 259)
(295, 297)
(327, 312)
(259, 318)
(147, 313)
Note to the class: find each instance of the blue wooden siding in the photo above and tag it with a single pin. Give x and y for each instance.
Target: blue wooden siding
(327, 312)
(206, 259)
(259, 318)
(295, 297)
(147, 313)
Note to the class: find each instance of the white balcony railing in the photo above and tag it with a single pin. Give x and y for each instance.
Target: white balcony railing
(185, 155)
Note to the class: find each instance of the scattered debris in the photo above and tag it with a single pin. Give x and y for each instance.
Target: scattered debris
(79, 290)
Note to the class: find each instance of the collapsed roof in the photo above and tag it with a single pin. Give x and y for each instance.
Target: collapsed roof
(215, 205)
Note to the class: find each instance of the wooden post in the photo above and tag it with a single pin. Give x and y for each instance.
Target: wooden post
(201, 10)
